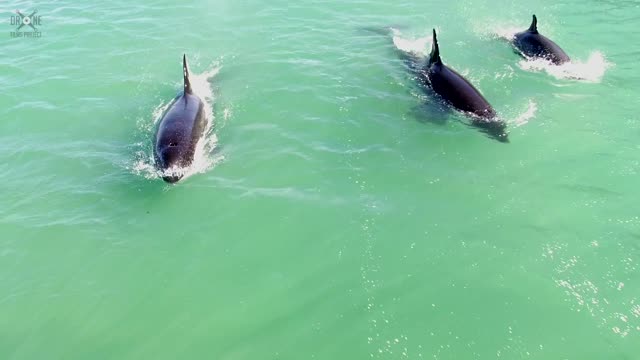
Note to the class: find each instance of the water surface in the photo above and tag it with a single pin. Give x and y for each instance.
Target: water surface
(335, 219)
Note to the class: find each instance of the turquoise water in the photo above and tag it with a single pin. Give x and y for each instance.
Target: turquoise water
(335, 212)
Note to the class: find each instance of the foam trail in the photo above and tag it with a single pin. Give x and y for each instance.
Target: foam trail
(203, 160)
(591, 71)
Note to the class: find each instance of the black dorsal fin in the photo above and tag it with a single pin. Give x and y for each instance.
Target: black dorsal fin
(185, 70)
(435, 50)
(534, 25)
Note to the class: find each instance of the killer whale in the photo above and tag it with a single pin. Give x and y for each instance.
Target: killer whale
(461, 94)
(178, 132)
(532, 44)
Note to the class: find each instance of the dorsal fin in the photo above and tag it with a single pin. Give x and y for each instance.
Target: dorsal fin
(534, 25)
(435, 50)
(185, 70)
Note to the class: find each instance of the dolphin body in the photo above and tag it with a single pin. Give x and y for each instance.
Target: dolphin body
(179, 131)
(461, 94)
(534, 45)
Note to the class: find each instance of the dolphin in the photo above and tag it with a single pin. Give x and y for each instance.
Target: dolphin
(534, 45)
(461, 94)
(179, 131)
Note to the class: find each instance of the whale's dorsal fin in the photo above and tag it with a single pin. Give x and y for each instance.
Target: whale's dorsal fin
(185, 70)
(435, 50)
(534, 25)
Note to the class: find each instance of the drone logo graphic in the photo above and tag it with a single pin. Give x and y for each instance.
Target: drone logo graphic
(28, 20)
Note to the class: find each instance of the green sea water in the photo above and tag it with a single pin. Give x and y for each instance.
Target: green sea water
(336, 212)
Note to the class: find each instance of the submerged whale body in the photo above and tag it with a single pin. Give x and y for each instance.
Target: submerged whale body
(179, 131)
(461, 94)
(532, 44)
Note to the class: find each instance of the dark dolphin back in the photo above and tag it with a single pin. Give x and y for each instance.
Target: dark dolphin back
(454, 88)
(180, 129)
(533, 44)
(458, 91)
(462, 95)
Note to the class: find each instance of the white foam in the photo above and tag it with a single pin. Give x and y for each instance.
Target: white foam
(591, 70)
(144, 164)
(527, 115)
(505, 32)
(204, 158)
(416, 46)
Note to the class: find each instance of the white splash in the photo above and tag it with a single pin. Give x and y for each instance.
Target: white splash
(414, 46)
(226, 114)
(591, 70)
(504, 32)
(203, 159)
(144, 164)
(527, 115)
